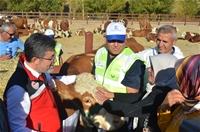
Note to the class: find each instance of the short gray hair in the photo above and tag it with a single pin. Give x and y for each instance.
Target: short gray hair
(6, 26)
(168, 29)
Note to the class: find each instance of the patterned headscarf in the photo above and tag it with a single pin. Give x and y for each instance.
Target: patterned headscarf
(188, 78)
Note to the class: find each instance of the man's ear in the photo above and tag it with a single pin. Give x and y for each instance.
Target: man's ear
(35, 60)
(174, 41)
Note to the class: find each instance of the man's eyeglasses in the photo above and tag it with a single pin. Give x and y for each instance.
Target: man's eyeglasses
(49, 59)
(114, 41)
(10, 34)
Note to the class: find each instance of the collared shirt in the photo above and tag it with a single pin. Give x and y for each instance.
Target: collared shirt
(15, 44)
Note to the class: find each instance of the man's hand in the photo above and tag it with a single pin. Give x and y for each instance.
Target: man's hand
(173, 97)
(102, 94)
(5, 57)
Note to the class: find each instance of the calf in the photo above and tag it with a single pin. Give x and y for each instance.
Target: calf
(80, 96)
(81, 32)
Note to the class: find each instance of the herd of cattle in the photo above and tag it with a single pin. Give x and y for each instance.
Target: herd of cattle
(147, 31)
(71, 98)
(61, 29)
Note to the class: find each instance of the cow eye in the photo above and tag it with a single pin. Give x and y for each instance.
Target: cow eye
(87, 101)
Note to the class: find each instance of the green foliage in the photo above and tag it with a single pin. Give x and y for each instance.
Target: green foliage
(189, 7)
(3, 5)
(165, 6)
(150, 6)
(116, 6)
(34, 5)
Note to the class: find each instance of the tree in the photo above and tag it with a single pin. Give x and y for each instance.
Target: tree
(35, 5)
(165, 6)
(117, 6)
(3, 5)
(186, 7)
(190, 7)
(150, 6)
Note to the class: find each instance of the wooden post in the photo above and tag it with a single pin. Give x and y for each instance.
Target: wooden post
(88, 41)
(159, 19)
(185, 21)
(131, 19)
(199, 21)
(86, 18)
(173, 20)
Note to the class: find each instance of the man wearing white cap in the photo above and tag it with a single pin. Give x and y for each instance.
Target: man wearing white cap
(116, 66)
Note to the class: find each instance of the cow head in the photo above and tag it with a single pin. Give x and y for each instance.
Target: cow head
(97, 30)
(67, 33)
(79, 95)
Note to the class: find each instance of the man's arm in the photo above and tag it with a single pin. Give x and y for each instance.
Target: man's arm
(4, 57)
(18, 107)
(140, 108)
(133, 79)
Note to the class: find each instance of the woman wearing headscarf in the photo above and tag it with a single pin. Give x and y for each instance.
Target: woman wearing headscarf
(188, 78)
(162, 79)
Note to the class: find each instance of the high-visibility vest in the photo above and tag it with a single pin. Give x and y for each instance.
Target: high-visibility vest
(58, 48)
(112, 77)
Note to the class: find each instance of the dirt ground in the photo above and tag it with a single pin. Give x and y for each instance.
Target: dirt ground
(76, 44)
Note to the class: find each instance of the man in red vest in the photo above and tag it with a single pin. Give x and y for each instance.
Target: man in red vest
(28, 96)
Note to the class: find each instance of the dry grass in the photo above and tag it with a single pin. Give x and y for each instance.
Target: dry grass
(76, 44)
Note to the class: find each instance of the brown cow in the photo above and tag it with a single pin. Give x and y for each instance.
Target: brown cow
(97, 30)
(1, 22)
(81, 32)
(20, 23)
(144, 24)
(134, 45)
(195, 38)
(104, 26)
(64, 27)
(49, 23)
(22, 32)
(151, 37)
(37, 22)
(80, 63)
(141, 33)
(79, 96)
(187, 35)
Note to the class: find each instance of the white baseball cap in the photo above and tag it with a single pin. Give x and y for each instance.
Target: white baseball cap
(116, 31)
(49, 32)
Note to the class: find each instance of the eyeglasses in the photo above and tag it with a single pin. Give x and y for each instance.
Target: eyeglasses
(49, 59)
(10, 34)
(114, 41)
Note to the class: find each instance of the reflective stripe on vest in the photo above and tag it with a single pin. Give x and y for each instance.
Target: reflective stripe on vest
(112, 77)
(58, 48)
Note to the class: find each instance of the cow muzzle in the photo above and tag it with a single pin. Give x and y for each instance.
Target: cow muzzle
(107, 121)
